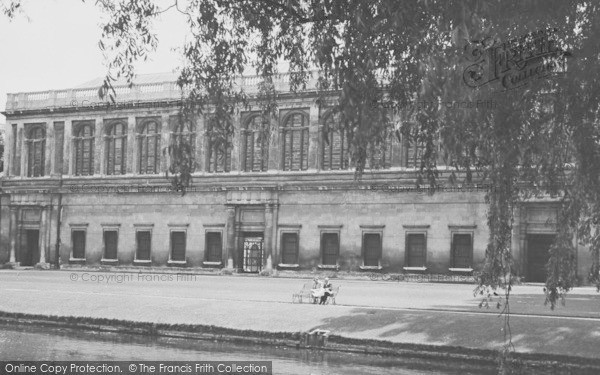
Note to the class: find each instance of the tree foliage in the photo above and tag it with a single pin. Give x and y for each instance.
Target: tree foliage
(539, 139)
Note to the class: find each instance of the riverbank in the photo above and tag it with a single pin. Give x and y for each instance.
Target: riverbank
(400, 317)
(306, 340)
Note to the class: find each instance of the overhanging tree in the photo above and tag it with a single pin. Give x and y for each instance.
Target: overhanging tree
(542, 138)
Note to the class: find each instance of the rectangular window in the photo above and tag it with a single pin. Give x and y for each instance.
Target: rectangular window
(462, 250)
(144, 243)
(111, 239)
(78, 241)
(415, 250)
(330, 248)
(214, 247)
(289, 248)
(371, 249)
(178, 246)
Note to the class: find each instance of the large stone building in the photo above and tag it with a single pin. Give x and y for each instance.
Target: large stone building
(85, 183)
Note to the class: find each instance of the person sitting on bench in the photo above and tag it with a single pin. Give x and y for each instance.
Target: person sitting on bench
(328, 291)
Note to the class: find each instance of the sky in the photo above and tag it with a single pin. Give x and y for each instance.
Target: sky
(53, 45)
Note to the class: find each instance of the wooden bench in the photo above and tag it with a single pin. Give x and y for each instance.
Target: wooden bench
(305, 292)
(334, 294)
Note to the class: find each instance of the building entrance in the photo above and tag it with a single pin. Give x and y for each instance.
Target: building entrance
(252, 252)
(30, 254)
(538, 246)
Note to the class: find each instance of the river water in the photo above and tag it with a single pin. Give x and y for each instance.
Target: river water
(61, 344)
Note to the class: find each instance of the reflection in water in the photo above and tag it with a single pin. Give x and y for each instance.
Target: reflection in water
(62, 344)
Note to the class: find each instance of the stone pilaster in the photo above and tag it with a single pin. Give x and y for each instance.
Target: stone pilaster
(68, 156)
(268, 250)
(132, 161)
(21, 151)
(230, 229)
(44, 224)
(49, 150)
(13, 234)
(314, 137)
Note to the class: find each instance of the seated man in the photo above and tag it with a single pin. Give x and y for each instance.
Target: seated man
(327, 291)
(317, 291)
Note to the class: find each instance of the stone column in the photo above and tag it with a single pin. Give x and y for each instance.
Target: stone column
(68, 156)
(314, 137)
(43, 243)
(49, 150)
(165, 138)
(268, 249)
(13, 234)
(237, 145)
(230, 228)
(98, 147)
(131, 146)
(276, 253)
(21, 150)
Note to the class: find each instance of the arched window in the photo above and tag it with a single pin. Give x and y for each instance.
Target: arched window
(36, 148)
(295, 142)
(219, 151)
(185, 133)
(256, 146)
(115, 146)
(149, 148)
(84, 150)
(334, 150)
(379, 155)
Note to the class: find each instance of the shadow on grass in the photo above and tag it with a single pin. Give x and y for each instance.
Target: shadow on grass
(481, 331)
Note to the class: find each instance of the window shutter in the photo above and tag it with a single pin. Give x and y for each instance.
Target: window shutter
(178, 246)
(143, 245)
(78, 239)
(462, 250)
(372, 249)
(330, 246)
(110, 244)
(416, 250)
(289, 243)
(214, 247)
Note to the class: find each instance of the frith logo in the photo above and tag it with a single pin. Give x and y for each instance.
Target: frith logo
(515, 63)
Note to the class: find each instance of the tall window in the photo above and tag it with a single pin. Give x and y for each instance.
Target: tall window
(149, 148)
(379, 155)
(371, 249)
(330, 248)
(78, 241)
(334, 150)
(214, 247)
(414, 149)
(415, 249)
(111, 239)
(295, 142)
(84, 150)
(219, 150)
(185, 134)
(115, 146)
(178, 243)
(143, 244)
(289, 248)
(256, 147)
(36, 147)
(462, 250)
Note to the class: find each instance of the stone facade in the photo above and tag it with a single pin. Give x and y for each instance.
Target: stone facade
(294, 214)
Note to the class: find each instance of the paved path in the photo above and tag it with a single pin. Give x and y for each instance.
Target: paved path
(427, 313)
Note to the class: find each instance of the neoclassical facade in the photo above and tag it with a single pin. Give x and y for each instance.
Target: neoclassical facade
(85, 184)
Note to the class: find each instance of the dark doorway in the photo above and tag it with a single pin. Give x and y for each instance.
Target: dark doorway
(31, 249)
(538, 246)
(252, 252)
